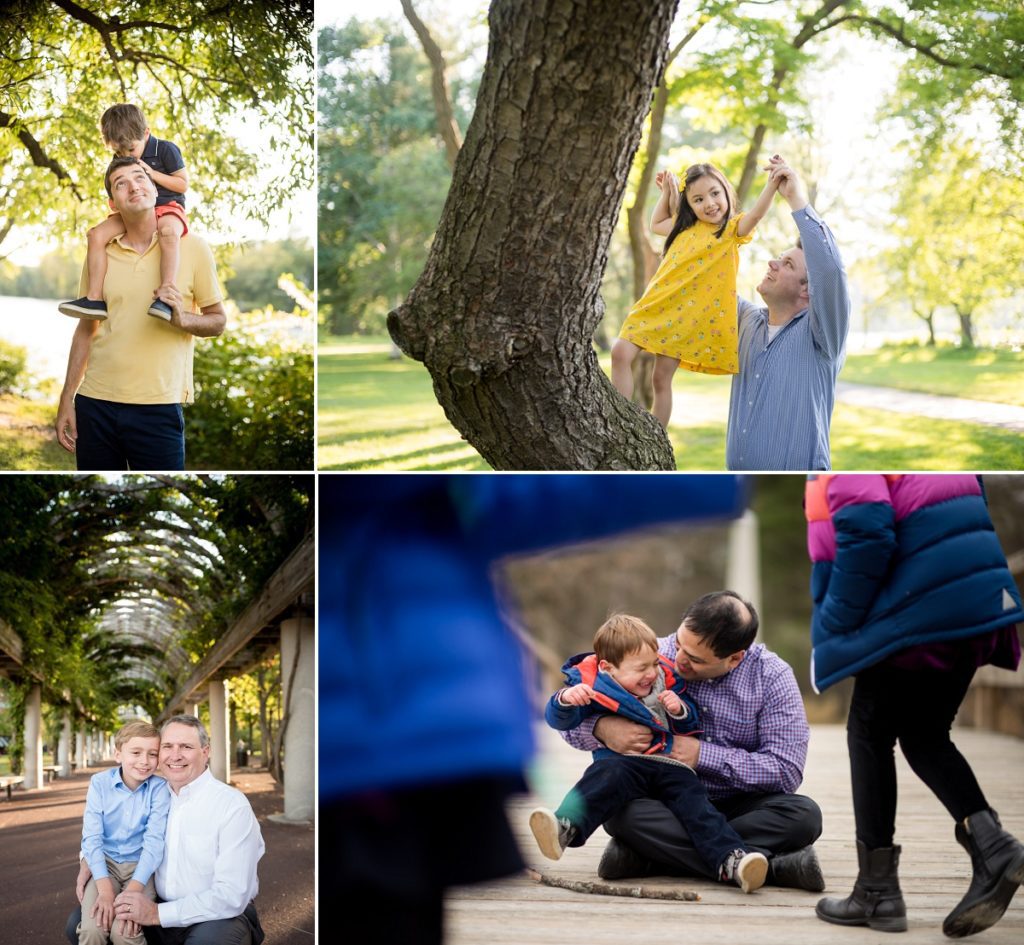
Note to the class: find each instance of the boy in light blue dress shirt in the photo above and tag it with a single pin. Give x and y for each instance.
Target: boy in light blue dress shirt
(123, 833)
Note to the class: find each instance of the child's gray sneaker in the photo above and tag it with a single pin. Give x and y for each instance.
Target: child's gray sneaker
(746, 870)
(552, 833)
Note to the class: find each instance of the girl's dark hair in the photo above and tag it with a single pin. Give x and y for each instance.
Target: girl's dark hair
(685, 218)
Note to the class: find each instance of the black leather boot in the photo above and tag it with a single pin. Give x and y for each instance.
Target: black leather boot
(876, 900)
(798, 870)
(998, 862)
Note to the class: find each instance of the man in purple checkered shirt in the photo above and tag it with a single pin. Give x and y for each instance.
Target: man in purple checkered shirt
(750, 755)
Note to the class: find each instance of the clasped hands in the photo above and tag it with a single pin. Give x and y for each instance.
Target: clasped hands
(130, 910)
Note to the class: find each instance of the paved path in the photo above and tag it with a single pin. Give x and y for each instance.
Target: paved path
(984, 412)
(41, 830)
(934, 871)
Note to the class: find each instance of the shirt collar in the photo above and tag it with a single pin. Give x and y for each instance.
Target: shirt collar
(128, 249)
(194, 787)
(117, 776)
(795, 318)
(149, 151)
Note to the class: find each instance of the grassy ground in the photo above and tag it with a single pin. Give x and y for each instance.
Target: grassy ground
(987, 374)
(27, 440)
(379, 414)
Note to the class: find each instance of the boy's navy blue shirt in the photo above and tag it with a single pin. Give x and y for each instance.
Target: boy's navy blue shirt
(165, 157)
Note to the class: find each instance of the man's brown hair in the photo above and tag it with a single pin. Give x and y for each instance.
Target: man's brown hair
(113, 166)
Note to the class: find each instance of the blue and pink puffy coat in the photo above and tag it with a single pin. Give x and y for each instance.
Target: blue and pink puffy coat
(900, 561)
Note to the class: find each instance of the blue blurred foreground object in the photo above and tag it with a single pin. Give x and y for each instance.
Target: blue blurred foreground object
(424, 716)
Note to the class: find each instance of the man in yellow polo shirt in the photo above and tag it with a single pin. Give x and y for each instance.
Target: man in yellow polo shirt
(128, 376)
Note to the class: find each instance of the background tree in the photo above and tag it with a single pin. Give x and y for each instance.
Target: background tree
(444, 113)
(382, 172)
(200, 71)
(256, 271)
(958, 220)
(964, 54)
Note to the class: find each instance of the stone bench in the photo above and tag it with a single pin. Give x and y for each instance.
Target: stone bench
(9, 781)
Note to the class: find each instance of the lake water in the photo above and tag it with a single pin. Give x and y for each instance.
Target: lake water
(36, 325)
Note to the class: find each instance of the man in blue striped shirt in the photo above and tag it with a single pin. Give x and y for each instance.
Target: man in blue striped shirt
(790, 350)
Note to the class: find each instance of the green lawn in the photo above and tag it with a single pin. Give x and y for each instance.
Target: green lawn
(27, 439)
(379, 414)
(985, 374)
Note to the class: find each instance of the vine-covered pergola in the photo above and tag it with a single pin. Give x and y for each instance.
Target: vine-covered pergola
(130, 595)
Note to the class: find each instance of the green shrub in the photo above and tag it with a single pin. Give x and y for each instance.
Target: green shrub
(254, 405)
(12, 366)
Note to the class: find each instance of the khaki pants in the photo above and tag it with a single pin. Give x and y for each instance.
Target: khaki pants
(89, 933)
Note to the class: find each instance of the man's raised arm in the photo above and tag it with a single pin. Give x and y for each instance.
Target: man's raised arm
(829, 308)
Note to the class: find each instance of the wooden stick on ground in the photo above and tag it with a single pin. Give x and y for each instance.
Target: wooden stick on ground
(609, 889)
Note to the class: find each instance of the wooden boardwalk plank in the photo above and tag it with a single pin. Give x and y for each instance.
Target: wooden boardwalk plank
(934, 873)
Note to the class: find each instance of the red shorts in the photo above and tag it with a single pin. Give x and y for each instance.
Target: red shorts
(175, 209)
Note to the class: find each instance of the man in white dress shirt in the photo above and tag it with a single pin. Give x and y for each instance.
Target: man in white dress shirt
(207, 879)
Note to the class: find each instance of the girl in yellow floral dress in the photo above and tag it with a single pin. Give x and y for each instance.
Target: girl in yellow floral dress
(687, 315)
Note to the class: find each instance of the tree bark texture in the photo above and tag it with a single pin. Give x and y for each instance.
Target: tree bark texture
(503, 313)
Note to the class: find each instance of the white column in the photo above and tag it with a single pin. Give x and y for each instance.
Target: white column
(743, 570)
(298, 677)
(220, 747)
(192, 709)
(64, 746)
(83, 748)
(33, 770)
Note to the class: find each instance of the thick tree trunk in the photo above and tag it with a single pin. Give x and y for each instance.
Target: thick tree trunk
(503, 313)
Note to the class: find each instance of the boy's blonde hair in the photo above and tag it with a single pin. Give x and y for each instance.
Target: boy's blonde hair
(620, 635)
(135, 730)
(122, 125)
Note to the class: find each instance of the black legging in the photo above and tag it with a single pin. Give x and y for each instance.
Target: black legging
(916, 708)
